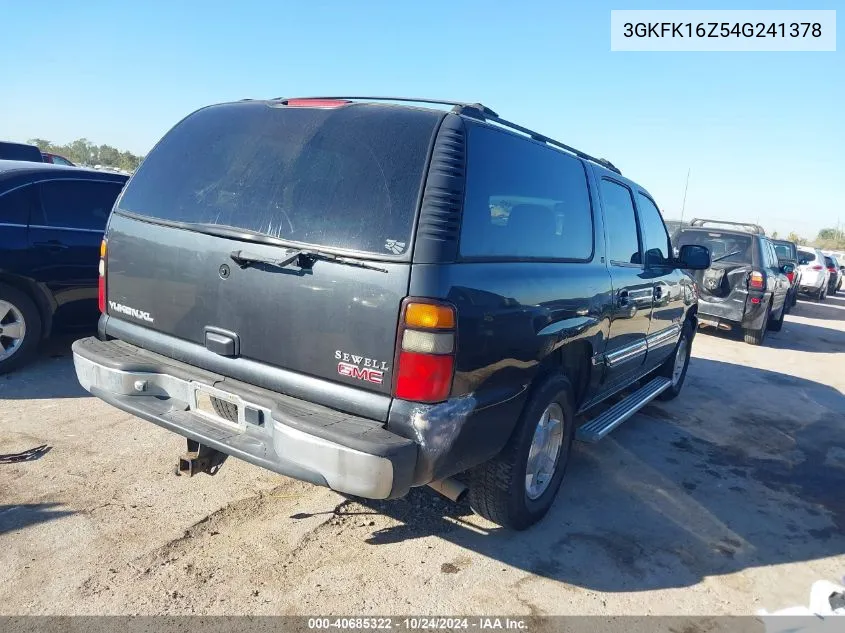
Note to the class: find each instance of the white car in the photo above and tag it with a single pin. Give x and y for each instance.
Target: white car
(814, 273)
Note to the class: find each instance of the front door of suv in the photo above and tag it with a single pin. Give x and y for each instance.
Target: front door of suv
(668, 310)
(633, 285)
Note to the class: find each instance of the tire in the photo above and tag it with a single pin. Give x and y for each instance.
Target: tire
(225, 410)
(756, 337)
(19, 311)
(499, 488)
(667, 369)
(820, 295)
(776, 326)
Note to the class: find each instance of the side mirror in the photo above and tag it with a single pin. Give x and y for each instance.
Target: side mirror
(693, 257)
(787, 269)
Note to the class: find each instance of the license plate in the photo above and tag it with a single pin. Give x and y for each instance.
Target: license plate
(202, 404)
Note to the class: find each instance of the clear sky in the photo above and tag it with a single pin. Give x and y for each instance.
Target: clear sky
(763, 133)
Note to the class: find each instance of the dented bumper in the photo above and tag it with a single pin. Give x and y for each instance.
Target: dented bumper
(287, 435)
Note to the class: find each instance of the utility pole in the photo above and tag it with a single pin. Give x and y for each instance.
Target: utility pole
(684, 203)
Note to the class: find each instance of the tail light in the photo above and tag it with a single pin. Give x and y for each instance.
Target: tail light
(756, 281)
(831, 269)
(101, 281)
(791, 277)
(425, 359)
(817, 267)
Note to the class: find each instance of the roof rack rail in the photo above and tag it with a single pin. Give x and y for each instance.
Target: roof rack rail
(476, 111)
(753, 228)
(458, 104)
(471, 110)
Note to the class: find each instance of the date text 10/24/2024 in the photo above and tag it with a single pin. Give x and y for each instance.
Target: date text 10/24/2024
(419, 623)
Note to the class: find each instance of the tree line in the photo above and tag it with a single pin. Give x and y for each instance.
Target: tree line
(84, 152)
(830, 239)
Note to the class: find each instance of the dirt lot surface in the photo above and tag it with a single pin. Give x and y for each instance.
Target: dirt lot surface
(727, 500)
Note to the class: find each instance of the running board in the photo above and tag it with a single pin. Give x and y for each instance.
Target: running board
(594, 430)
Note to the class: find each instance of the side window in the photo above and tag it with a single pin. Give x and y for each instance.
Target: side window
(78, 204)
(524, 200)
(623, 244)
(657, 251)
(16, 205)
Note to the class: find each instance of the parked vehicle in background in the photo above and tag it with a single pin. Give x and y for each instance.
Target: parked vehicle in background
(787, 253)
(56, 159)
(52, 220)
(814, 273)
(745, 285)
(20, 151)
(372, 297)
(834, 282)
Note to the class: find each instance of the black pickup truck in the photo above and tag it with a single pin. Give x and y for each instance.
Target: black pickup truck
(372, 296)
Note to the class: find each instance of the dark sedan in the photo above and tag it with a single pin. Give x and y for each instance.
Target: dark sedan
(52, 220)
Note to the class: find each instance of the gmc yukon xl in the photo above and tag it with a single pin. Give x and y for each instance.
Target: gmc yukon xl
(374, 294)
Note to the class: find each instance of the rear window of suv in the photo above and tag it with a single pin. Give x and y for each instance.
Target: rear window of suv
(785, 251)
(346, 178)
(726, 247)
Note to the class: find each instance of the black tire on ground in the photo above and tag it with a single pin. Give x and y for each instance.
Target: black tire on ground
(225, 410)
(822, 293)
(756, 337)
(497, 489)
(777, 325)
(667, 369)
(32, 322)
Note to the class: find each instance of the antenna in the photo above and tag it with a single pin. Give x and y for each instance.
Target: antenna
(684, 203)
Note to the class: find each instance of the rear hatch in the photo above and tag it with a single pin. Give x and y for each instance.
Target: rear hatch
(197, 246)
(731, 256)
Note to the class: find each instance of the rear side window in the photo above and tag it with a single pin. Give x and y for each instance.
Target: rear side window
(78, 204)
(654, 232)
(16, 205)
(524, 199)
(623, 245)
(347, 177)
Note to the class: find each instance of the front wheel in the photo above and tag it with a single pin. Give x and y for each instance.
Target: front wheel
(675, 367)
(517, 487)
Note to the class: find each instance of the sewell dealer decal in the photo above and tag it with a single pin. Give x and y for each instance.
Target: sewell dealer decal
(361, 367)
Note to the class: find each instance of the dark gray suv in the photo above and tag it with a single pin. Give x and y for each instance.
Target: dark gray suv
(373, 296)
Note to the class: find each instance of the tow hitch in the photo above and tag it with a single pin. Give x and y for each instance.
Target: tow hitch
(200, 459)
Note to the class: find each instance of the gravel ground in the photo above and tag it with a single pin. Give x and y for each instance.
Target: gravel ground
(724, 501)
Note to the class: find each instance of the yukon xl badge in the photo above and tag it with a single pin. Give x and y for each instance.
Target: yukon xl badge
(361, 367)
(138, 314)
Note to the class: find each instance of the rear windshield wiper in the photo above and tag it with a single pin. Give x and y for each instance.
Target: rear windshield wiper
(721, 257)
(301, 258)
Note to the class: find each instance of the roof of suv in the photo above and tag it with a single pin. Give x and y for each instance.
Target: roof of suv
(475, 111)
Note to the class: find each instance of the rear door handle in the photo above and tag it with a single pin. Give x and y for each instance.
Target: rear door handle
(53, 245)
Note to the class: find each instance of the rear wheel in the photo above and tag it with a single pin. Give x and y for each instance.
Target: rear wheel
(517, 487)
(20, 328)
(775, 326)
(675, 367)
(756, 337)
